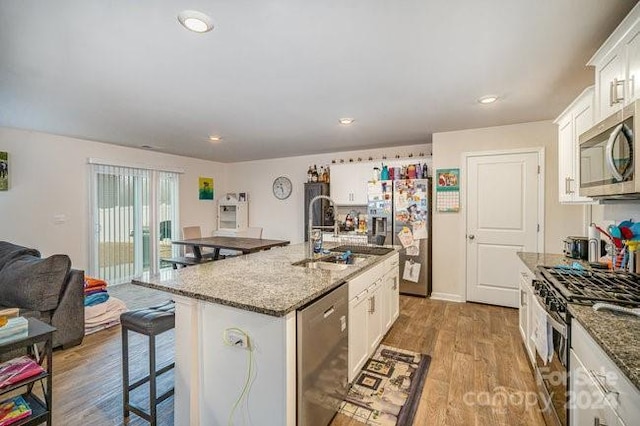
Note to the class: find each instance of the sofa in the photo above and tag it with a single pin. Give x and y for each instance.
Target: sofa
(47, 289)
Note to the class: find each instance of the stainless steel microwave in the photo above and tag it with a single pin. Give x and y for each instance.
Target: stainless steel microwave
(608, 165)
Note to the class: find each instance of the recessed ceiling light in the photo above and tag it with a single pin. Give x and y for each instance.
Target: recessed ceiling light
(346, 121)
(195, 21)
(215, 138)
(488, 99)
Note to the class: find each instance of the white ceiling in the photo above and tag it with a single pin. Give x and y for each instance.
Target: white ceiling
(274, 76)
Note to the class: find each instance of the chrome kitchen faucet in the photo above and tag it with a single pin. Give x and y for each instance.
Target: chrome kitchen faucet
(311, 227)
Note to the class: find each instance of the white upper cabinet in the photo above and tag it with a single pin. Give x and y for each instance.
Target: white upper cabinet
(349, 183)
(617, 67)
(575, 120)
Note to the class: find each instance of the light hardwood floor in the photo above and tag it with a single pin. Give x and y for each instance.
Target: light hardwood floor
(476, 355)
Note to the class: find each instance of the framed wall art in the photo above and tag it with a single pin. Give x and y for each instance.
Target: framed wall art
(205, 188)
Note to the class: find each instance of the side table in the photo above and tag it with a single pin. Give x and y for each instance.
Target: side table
(40, 410)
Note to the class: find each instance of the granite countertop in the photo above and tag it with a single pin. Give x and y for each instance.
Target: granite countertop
(264, 282)
(617, 334)
(532, 260)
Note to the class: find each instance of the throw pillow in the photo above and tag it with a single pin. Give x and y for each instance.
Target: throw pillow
(9, 251)
(32, 283)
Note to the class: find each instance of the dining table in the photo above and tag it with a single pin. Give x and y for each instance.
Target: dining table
(241, 244)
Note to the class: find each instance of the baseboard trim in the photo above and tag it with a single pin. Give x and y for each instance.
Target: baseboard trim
(449, 297)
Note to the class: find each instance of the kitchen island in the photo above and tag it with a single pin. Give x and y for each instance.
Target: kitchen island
(254, 298)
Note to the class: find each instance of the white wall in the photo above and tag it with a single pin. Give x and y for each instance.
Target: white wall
(49, 176)
(448, 228)
(284, 219)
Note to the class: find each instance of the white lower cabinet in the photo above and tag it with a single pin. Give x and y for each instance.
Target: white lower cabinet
(524, 310)
(374, 306)
(589, 405)
(600, 393)
(358, 338)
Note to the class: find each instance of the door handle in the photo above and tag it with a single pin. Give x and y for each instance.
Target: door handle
(597, 422)
(471, 237)
(569, 190)
(617, 83)
(611, 93)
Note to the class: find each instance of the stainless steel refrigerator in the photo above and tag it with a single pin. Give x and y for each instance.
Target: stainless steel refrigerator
(404, 206)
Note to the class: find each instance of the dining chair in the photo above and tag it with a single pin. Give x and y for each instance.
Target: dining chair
(251, 232)
(190, 232)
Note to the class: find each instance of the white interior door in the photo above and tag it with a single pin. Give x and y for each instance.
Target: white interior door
(503, 217)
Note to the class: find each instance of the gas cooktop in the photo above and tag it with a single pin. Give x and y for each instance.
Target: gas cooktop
(588, 286)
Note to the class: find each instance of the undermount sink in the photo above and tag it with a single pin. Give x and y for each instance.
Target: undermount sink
(370, 250)
(330, 263)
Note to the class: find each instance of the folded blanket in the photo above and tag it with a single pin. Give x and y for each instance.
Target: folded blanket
(95, 299)
(90, 282)
(104, 312)
(93, 329)
(90, 291)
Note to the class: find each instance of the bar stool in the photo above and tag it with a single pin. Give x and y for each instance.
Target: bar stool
(150, 322)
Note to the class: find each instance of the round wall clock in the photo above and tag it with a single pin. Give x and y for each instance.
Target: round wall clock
(282, 187)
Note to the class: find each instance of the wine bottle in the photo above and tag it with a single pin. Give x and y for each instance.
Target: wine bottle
(314, 174)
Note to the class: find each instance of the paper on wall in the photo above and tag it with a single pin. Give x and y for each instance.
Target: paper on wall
(406, 237)
(411, 271)
(401, 201)
(420, 230)
(413, 249)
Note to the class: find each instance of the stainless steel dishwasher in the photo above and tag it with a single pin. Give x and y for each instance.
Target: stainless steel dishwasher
(323, 354)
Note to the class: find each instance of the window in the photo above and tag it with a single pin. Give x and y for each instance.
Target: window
(134, 216)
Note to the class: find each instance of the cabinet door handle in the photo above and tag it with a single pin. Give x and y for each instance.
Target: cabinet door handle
(601, 380)
(371, 305)
(523, 300)
(613, 92)
(395, 283)
(374, 303)
(569, 190)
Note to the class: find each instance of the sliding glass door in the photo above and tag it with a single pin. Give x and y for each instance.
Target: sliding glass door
(135, 214)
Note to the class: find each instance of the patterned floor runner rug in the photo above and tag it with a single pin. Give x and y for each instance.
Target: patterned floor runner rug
(387, 390)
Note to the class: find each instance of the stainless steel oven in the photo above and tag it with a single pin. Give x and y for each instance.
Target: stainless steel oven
(608, 157)
(552, 374)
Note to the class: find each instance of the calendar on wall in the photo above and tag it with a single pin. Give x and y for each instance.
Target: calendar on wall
(448, 190)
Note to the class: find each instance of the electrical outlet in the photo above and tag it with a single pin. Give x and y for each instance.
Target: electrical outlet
(236, 338)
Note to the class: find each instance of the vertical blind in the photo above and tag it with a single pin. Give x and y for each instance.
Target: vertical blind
(135, 214)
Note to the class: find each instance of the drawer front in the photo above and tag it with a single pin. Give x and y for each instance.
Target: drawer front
(392, 262)
(364, 280)
(611, 379)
